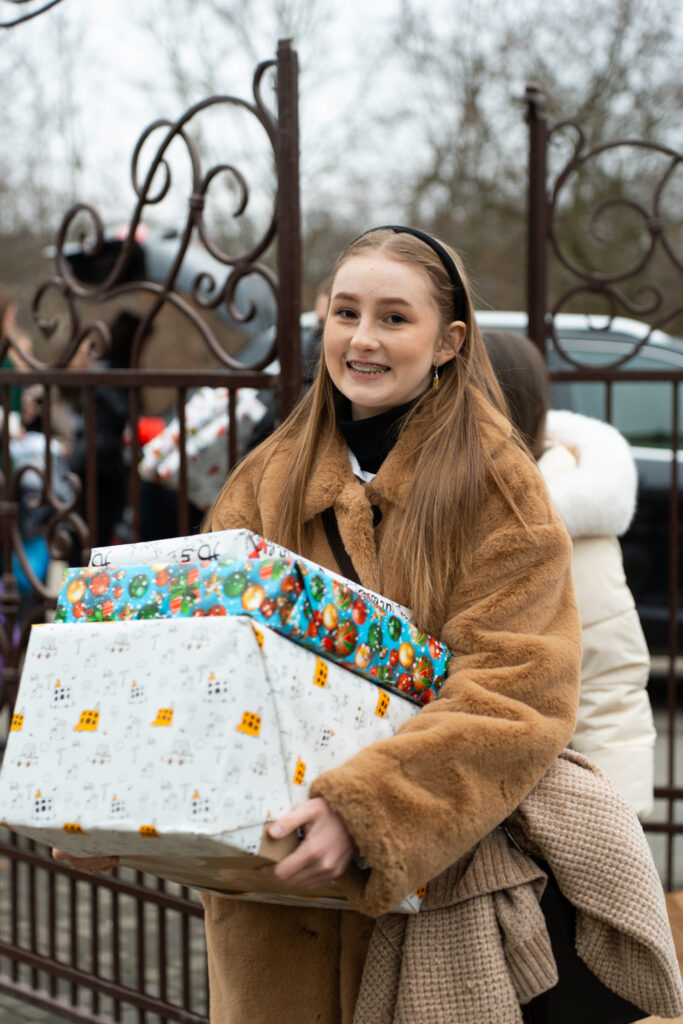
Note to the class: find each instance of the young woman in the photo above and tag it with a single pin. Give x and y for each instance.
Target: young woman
(437, 505)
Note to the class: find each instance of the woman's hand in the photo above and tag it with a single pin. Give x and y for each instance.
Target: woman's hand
(325, 852)
(90, 865)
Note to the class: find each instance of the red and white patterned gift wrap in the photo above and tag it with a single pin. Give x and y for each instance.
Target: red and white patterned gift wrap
(304, 604)
(206, 425)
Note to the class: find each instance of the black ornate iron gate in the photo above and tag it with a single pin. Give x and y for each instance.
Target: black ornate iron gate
(129, 946)
(620, 290)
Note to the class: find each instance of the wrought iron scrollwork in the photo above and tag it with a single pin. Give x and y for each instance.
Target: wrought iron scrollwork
(151, 185)
(232, 279)
(649, 301)
(27, 15)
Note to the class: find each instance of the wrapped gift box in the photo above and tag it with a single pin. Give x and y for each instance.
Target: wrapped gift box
(173, 742)
(286, 594)
(223, 544)
(206, 424)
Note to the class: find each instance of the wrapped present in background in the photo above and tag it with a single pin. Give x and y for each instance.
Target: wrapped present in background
(173, 742)
(303, 603)
(206, 431)
(201, 407)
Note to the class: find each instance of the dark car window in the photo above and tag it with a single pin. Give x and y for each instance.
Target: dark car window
(641, 410)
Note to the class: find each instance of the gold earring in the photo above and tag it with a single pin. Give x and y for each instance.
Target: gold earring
(435, 379)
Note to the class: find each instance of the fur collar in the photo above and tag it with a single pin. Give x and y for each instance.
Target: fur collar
(590, 473)
(332, 481)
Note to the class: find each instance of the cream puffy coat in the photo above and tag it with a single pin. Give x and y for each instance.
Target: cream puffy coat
(591, 476)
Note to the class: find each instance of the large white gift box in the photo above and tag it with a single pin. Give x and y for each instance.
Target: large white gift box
(173, 742)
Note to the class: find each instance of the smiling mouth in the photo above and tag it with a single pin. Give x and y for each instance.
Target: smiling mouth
(369, 369)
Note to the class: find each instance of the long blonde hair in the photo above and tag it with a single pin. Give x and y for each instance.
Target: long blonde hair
(447, 450)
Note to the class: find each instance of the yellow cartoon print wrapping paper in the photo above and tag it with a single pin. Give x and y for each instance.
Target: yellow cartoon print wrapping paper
(177, 737)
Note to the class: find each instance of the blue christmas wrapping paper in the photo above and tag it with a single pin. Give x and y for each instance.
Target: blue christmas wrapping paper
(309, 607)
(225, 544)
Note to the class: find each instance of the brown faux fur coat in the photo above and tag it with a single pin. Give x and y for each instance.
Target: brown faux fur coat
(418, 802)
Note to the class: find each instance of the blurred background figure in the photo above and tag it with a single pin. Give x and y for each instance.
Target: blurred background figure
(27, 451)
(112, 410)
(12, 359)
(68, 427)
(66, 418)
(590, 474)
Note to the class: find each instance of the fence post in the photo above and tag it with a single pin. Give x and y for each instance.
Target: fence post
(289, 227)
(537, 216)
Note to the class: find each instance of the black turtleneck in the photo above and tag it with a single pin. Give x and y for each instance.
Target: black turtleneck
(371, 439)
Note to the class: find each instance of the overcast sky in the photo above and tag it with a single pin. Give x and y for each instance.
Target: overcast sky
(96, 59)
(102, 78)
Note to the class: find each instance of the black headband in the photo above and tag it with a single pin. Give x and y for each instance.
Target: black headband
(459, 303)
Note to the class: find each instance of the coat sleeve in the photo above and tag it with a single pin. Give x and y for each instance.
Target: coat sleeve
(614, 726)
(417, 802)
(236, 507)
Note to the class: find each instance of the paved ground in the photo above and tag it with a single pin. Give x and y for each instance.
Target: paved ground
(169, 923)
(12, 1010)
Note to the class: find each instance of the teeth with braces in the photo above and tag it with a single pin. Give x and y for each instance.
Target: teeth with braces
(358, 369)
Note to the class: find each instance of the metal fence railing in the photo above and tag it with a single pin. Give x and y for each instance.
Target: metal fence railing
(126, 946)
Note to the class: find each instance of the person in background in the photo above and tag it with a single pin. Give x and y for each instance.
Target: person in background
(12, 360)
(112, 408)
(66, 416)
(591, 476)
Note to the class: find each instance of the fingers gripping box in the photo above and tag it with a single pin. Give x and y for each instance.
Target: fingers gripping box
(173, 742)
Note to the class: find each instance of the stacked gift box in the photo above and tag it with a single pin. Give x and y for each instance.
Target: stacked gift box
(172, 743)
(285, 594)
(209, 547)
(119, 743)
